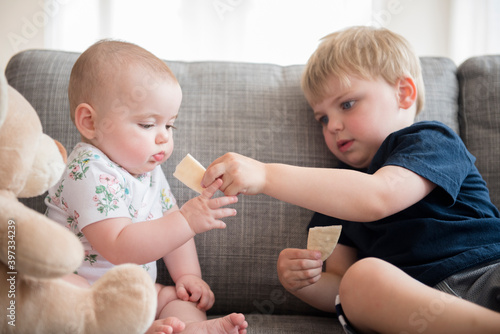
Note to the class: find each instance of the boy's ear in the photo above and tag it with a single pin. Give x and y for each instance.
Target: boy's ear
(407, 92)
(85, 120)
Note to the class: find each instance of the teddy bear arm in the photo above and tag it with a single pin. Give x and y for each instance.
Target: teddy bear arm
(40, 246)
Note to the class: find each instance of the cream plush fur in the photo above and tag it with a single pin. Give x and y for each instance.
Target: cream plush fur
(35, 251)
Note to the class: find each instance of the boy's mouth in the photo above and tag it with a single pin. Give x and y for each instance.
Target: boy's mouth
(344, 145)
(159, 156)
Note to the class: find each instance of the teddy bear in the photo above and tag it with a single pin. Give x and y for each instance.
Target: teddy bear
(36, 251)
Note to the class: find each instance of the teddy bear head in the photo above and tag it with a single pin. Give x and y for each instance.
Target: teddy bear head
(30, 161)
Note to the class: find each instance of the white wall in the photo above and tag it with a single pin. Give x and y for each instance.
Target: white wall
(21, 27)
(425, 23)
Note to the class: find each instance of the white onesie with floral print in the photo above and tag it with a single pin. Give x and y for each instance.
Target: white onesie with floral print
(93, 188)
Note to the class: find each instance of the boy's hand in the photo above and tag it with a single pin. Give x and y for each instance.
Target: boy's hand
(203, 213)
(192, 288)
(241, 175)
(299, 268)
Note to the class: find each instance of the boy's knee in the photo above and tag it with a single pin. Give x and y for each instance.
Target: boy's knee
(366, 269)
(362, 277)
(362, 287)
(360, 284)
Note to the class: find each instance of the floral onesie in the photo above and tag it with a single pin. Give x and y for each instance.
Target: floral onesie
(94, 188)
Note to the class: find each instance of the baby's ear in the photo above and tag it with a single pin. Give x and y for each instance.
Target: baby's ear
(407, 92)
(85, 120)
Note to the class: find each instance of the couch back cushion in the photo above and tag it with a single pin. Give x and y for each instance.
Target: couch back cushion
(254, 109)
(479, 115)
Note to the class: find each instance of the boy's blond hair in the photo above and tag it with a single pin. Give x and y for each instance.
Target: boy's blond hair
(363, 52)
(102, 62)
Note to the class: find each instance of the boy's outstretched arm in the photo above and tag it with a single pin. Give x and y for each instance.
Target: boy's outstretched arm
(341, 193)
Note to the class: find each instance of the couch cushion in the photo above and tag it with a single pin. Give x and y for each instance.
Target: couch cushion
(254, 109)
(286, 324)
(479, 114)
(259, 111)
(441, 91)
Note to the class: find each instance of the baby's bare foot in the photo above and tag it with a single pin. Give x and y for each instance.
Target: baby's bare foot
(168, 325)
(233, 323)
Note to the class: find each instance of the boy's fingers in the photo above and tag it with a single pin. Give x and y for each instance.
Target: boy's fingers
(308, 254)
(213, 172)
(301, 265)
(232, 190)
(298, 253)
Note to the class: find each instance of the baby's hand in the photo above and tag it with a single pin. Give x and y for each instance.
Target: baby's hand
(203, 213)
(192, 288)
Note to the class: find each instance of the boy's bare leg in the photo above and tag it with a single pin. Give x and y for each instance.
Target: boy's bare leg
(378, 297)
(195, 320)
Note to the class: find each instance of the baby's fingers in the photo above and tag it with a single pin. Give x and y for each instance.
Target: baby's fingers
(219, 202)
(211, 189)
(206, 301)
(218, 224)
(223, 213)
(182, 293)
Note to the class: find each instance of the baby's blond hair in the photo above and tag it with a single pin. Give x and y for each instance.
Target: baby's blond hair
(363, 52)
(101, 62)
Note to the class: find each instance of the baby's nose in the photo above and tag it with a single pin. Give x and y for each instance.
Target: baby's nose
(162, 137)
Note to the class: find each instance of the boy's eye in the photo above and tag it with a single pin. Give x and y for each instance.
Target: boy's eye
(323, 120)
(347, 105)
(146, 126)
(170, 126)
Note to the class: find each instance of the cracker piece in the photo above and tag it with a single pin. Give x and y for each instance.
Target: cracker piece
(190, 172)
(323, 239)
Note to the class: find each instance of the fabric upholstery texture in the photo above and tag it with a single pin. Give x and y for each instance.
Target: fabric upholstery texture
(479, 104)
(258, 110)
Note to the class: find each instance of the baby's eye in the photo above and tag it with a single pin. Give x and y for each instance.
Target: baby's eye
(146, 126)
(170, 126)
(347, 105)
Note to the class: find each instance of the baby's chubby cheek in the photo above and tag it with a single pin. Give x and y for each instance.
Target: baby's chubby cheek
(106, 127)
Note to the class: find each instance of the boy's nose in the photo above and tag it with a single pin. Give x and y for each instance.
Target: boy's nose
(335, 125)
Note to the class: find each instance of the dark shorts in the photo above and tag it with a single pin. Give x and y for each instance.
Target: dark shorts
(480, 285)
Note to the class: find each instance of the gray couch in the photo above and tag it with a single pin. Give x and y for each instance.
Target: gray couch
(258, 110)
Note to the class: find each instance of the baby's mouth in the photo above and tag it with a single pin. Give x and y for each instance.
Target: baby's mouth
(159, 156)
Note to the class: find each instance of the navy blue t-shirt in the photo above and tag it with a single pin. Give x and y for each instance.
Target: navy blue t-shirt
(453, 228)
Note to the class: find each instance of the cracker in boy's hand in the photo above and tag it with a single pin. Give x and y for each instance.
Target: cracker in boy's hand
(190, 172)
(323, 239)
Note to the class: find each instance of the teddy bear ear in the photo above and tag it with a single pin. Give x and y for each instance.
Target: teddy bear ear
(3, 98)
